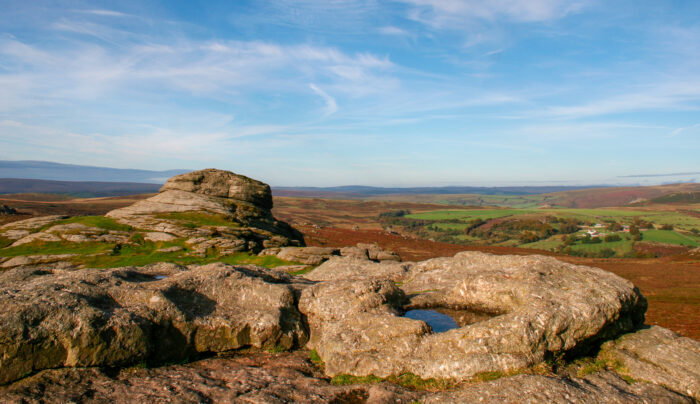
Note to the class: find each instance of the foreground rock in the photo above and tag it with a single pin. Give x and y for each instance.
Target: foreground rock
(156, 314)
(240, 200)
(316, 255)
(291, 378)
(538, 306)
(660, 356)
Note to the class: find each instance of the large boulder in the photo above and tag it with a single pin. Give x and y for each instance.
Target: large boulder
(536, 306)
(156, 314)
(222, 184)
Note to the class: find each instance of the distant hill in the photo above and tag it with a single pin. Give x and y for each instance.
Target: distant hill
(45, 170)
(360, 191)
(580, 198)
(679, 197)
(84, 189)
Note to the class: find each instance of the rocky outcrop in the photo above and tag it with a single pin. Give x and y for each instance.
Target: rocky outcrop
(511, 314)
(350, 267)
(602, 387)
(156, 314)
(291, 378)
(316, 255)
(659, 356)
(302, 255)
(222, 184)
(240, 203)
(538, 305)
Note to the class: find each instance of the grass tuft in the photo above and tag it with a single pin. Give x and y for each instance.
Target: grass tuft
(315, 358)
(343, 380)
(407, 380)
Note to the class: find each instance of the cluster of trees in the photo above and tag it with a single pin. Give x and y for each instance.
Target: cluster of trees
(395, 213)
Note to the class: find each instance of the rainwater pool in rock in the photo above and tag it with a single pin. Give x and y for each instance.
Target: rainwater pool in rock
(441, 319)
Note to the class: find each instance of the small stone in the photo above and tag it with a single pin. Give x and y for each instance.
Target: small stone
(158, 236)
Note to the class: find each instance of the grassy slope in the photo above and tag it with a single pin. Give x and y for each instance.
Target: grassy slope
(107, 255)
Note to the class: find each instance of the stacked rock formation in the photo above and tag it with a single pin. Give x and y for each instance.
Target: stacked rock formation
(240, 199)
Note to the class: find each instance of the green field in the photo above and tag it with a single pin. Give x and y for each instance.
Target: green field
(670, 237)
(450, 226)
(677, 219)
(467, 215)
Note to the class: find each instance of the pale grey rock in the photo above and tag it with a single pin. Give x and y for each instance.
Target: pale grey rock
(74, 228)
(254, 378)
(354, 252)
(539, 304)
(292, 268)
(223, 184)
(170, 249)
(376, 253)
(660, 356)
(307, 255)
(15, 234)
(173, 201)
(159, 313)
(32, 224)
(77, 238)
(158, 236)
(602, 387)
(343, 268)
(34, 259)
(39, 236)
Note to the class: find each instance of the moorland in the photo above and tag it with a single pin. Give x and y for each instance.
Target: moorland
(656, 249)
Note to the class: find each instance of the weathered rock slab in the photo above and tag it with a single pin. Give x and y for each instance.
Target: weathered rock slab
(660, 356)
(223, 184)
(290, 378)
(34, 259)
(39, 236)
(350, 267)
(157, 236)
(154, 314)
(602, 387)
(539, 305)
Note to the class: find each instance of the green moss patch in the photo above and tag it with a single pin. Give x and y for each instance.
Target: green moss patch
(408, 380)
(102, 222)
(197, 219)
(55, 248)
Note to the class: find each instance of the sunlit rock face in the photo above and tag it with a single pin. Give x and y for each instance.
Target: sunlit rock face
(243, 202)
(530, 306)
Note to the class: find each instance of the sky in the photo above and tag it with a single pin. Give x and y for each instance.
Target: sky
(383, 93)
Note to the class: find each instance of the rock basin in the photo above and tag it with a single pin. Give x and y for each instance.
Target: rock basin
(442, 319)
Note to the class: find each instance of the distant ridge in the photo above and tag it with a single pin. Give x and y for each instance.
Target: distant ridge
(360, 191)
(84, 189)
(45, 170)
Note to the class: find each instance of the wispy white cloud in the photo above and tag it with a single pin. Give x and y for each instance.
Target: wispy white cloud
(331, 105)
(451, 14)
(392, 30)
(216, 68)
(104, 12)
(677, 95)
(686, 130)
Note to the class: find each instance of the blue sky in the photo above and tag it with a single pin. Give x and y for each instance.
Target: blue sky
(388, 93)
